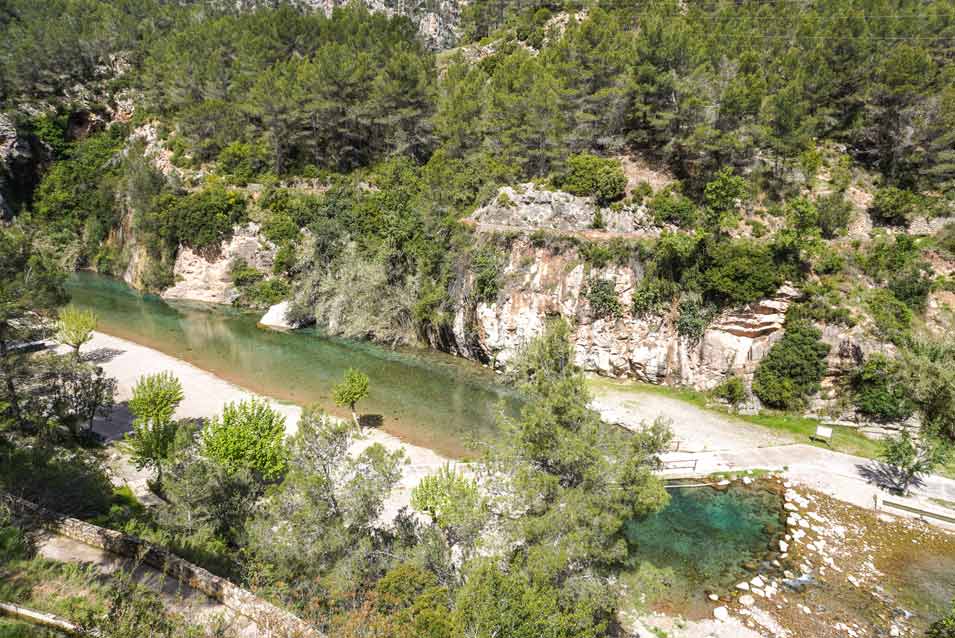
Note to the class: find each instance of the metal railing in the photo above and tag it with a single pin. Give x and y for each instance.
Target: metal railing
(682, 464)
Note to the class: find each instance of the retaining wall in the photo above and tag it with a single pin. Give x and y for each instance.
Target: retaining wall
(271, 620)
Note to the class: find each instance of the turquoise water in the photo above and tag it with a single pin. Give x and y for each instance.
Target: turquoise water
(426, 398)
(706, 539)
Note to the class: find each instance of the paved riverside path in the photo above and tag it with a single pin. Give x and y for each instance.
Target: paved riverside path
(176, 596)
(719, 443)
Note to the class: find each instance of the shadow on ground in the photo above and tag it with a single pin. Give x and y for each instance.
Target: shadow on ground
(888, 477)
(371, 420)
(101, 355)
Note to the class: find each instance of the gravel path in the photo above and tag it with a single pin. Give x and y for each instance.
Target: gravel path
(697, 430)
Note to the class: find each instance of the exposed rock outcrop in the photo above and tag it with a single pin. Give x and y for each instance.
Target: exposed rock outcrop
(529, 207)
(275, 317)
(437, 22)
(540, 283)
(21, 158)
(202, 279)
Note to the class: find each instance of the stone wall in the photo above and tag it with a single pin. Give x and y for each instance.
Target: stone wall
(271, 620)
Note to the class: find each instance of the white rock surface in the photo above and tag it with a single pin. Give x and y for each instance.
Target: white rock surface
(202, 279)
(275, 317)
(542, 281)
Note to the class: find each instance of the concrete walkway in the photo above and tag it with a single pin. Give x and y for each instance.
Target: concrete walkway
(720, 443)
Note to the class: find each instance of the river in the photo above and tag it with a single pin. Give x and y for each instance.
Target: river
(425, 398)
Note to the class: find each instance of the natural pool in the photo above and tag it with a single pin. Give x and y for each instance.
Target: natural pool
(426, 398)
(706, 540)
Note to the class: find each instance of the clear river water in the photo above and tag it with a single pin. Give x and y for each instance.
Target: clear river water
(423, 397)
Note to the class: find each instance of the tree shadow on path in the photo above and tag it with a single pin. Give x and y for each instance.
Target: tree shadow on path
(888, 477)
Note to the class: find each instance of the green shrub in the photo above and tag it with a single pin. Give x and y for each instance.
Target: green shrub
(265, 293)
(280, 228)
(943, 627)
(652, 297)
(739, 272)
(602, 295)
(242, 274)
(893, 319)
(886, 256)
(285, 260)
(732, 390)
(641, 192)
(821, 304)
(249, 435)
(829, 262)
(589, 175)
(913, 285)
(669, 206)
(835, 213)
(51, 130)
(792, 369)
(243, 161)
(894, 206)
(693, 317)
(200, 220)
(945, 239)
(75, 198)
(488, 265)
(598, 223)
(722, 196)
(878, 392)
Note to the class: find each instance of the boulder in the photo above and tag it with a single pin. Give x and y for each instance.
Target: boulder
(275, 317)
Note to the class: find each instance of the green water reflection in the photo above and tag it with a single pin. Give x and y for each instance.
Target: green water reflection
(705, 539)
(426, 398)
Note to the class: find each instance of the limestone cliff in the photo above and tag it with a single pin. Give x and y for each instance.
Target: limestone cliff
(199, 278)
(541, 282)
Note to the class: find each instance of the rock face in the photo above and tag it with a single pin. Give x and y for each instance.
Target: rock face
(540, 283)
(437, 21)
(201, 279)
(528, 207)
(21, 158)
(275, 317)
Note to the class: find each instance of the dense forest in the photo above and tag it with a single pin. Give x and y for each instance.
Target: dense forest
(358, 151)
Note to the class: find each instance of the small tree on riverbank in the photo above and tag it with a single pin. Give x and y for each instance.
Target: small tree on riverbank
(75, 327)
(155, 399)
(911, 459)
(351, 390)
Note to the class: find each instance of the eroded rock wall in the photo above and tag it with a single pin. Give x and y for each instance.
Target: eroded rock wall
(201, 278)
(540, 283)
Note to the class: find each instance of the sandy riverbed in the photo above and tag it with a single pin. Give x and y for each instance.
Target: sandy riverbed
(206, 394)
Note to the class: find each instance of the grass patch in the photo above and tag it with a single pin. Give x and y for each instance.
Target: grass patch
(941, 502)
(796, 427)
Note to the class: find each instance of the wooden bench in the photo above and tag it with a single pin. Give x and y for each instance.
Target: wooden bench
(823, 434)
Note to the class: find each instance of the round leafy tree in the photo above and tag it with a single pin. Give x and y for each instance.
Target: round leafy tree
(352, 389)
(793, 368)
(878, 393)
(249, 435)
(74, 327)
